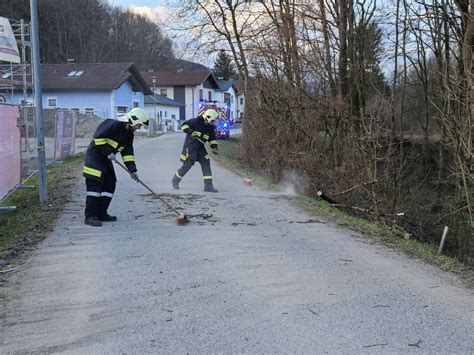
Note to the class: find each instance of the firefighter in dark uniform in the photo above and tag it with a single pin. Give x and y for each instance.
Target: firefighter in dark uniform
(199, 131)
(111, 137)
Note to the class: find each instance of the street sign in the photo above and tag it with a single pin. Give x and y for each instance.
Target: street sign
(65, 134)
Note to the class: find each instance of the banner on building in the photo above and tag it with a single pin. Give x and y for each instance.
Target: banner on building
(8, 47)
(65, 137)
(10, 157)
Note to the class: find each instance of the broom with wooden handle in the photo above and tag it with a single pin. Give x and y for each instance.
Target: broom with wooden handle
(181, 217)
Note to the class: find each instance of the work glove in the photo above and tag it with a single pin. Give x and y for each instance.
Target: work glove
(111, 157)
(134, 176)
(215, 151)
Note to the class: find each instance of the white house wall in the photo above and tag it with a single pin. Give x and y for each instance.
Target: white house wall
(169, 91)
(166, 112)
(233, 100)
(240, 106)
(233, 103)
(192, 99)
(190, 108)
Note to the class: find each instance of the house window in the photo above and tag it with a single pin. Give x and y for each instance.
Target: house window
(173, 117)
(52, 101)
(227, 98)
(121, 110)
(166, 114)
(210, 95)
(75, 109)
(201, 94)
(241, 100)
(163, 92)
(89, 110)
(136, 104)
(161, 114)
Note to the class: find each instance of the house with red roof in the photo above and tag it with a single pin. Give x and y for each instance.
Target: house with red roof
(189, 88)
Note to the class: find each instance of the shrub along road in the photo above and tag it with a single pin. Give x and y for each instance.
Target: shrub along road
(258, 276)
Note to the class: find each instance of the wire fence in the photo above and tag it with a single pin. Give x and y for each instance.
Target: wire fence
(66, 133)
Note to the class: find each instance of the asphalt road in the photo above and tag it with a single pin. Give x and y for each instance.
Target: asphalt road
(251, 279)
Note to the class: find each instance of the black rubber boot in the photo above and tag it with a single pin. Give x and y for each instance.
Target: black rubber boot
(93, 221)
(175, 181)
(107, 218)
(208, 187)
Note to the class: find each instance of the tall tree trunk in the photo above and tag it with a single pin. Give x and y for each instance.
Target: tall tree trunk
(342, 23)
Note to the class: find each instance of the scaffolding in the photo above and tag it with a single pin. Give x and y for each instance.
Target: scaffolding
(16, 80)
(18, 77)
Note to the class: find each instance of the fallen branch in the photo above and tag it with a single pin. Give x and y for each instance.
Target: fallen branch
(400, 231)
(397, 229)
(451, 213)
(417, 344)
(325, 197)
(355, 208)
(374, 205)
(311, 221)
(8, 270)
(372, 345)
(356, 187)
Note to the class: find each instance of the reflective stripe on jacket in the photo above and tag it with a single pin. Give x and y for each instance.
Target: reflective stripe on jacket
(198, 133)
(110, 137)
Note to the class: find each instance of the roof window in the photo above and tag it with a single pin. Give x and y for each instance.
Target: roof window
(75, 73)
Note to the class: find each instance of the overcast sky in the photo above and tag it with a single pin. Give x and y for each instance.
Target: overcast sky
(153, 8)
(126, 3)
(160, 13)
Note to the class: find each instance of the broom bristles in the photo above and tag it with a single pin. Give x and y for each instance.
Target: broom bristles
(181, 220)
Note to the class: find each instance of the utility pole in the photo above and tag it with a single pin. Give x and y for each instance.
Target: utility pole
(23, 59)
(154, 101)
(43, 179)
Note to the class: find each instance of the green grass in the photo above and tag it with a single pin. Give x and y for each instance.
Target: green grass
(229, 156)
(31, 221)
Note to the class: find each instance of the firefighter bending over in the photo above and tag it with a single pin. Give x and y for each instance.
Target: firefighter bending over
(198, 131)
(110, 138)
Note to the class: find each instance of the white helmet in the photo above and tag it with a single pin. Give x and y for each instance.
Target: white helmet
(136, 116)
(210, 115)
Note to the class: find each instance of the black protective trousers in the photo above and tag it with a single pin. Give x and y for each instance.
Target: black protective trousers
(205, 162)
(99, 195)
